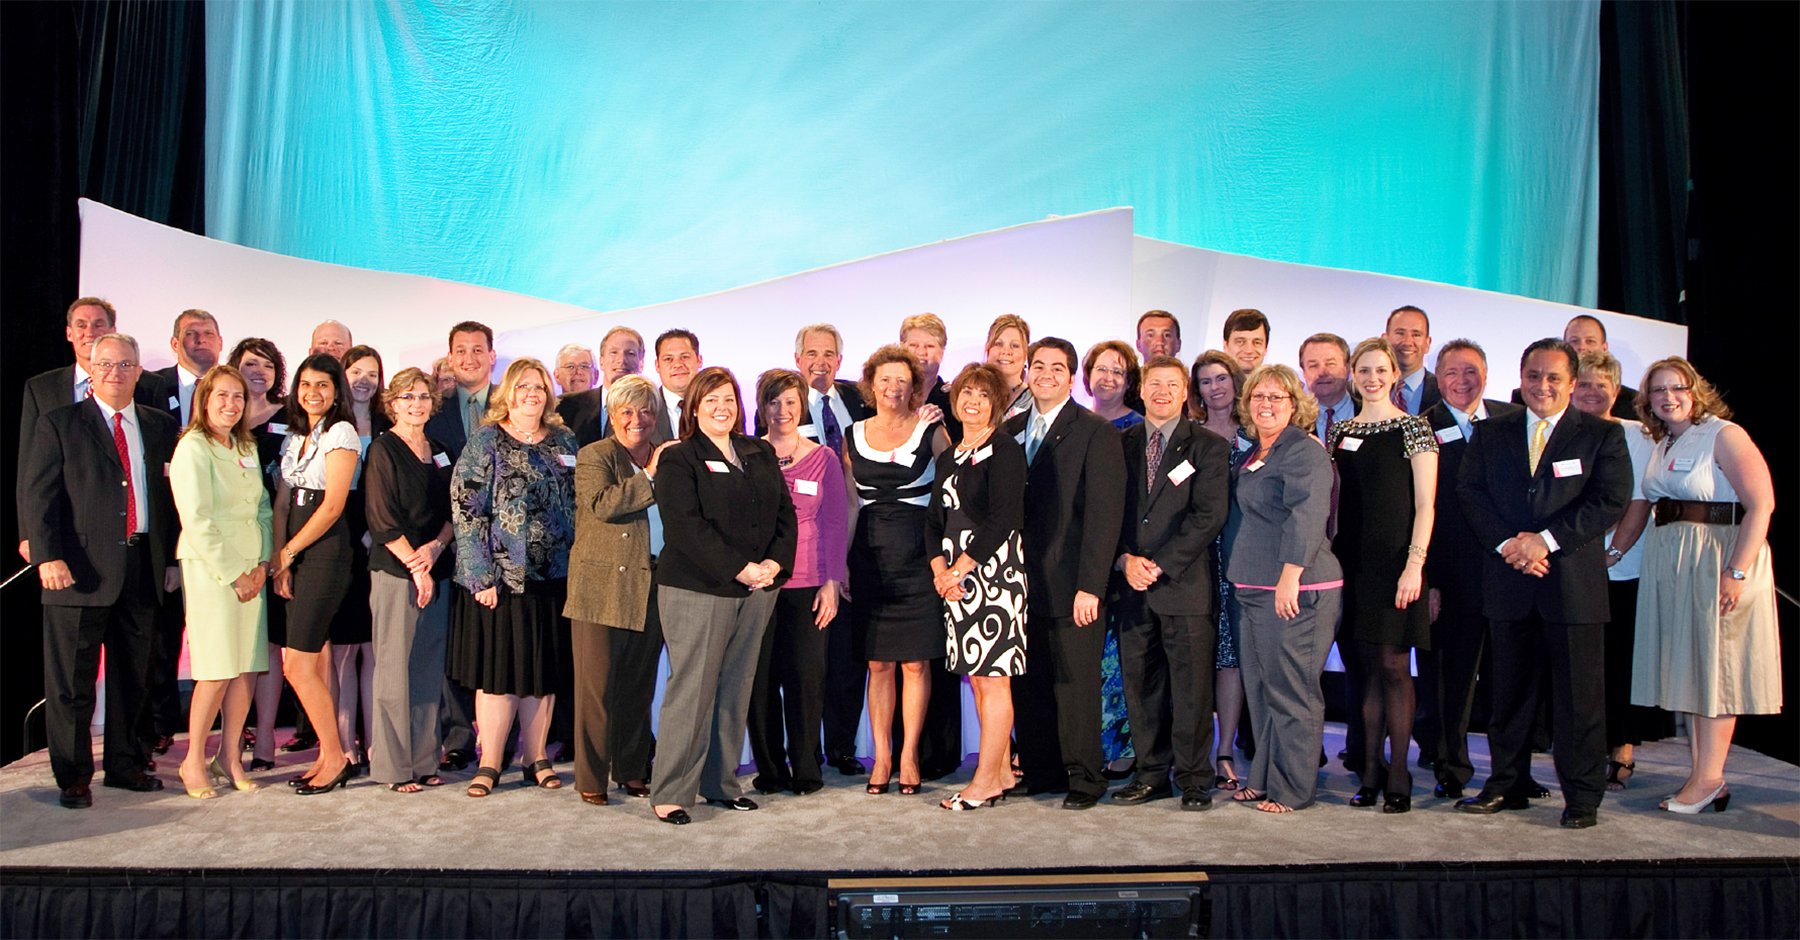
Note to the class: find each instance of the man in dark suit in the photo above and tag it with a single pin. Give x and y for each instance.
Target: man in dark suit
(101, 523)
(1409, 332)
(621, 354)
(472, 359)
(1540, 489)
(832, 404)
(677, 362)
(1587, 334)
(196, 344)
(1074, 495)
(1177, 482)
(924, 335)
(1459, 630)
(86, 320)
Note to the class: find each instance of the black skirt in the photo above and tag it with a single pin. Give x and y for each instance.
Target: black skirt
(321, 577)
(515, 648)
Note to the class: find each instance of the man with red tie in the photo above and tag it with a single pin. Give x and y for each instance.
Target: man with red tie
(101, 524)
(1409, 332)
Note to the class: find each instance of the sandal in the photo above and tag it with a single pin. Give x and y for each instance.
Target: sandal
(1248, 795)
(1228, 778)
(406, 786)
(431, 780)
(486, 779)
(541, 774)
(1618, 775)
(1270, 806)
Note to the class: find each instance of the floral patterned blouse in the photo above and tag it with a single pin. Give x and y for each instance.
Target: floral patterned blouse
(513, 508)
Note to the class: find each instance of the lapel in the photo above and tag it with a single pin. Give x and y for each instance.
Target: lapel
(1567, 430)
(1180, 439)
(95, 421)
(1059, 429)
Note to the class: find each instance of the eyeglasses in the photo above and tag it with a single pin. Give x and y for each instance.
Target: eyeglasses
(532, 388)
(413, 396)
(1671, 389)
(1109, 370)
(1269, 398)
(108, 365)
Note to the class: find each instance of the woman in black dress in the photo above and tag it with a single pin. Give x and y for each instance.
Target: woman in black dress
(896, 615)
(977, 510)
(1387, 464)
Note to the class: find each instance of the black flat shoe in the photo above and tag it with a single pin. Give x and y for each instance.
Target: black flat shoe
(742, 804)
(1365, 798)
(457, 759)
(341, 780)
(677, 817)
(1397, 803)
(1536, 790)
(636, 788)
(257, 763)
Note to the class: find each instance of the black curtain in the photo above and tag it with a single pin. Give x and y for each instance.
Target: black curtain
(105, 100)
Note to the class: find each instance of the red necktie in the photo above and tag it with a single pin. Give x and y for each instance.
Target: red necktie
(1398, 398)
(125, 461)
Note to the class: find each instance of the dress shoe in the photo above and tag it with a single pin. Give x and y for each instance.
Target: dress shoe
(808, 786)
(1573, 818)
(1447, 791)
(1484, 804)
(302, 743)
(1079, 801)
(1196, 801)
(1396, 803)
(1365, 797)
(142, 783)
(1718, 800)
(457, 759)
(1140, 792)
(162, 744)
(848, 765)
(767, 785)
(593, 799)
(636, 788)
(79, 796)
(1536, 791)
(742, 804)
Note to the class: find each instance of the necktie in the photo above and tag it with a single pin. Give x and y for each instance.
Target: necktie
(1398, 397)
(473, 419)
(1035, 436)
(131, 522)
(1153, 454)
(1330, 419)
(86, 389)
(834, 432)
(1538, 433)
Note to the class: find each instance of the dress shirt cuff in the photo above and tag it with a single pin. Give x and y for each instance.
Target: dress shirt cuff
(1550, 540)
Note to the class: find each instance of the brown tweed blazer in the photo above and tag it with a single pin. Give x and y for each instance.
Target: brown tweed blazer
(609, 566)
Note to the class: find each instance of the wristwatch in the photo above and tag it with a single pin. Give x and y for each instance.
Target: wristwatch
(1614, 553)
(1736, 574)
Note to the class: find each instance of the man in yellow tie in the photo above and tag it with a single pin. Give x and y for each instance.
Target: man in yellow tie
(1541, 487)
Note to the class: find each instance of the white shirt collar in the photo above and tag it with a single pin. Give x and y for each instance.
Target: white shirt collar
(107, 412)
(1413, 379)
(186, 378)
(1049, 416)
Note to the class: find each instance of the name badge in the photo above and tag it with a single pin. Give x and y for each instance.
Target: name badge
(441, 459)
(1349, 443)
(277, 428)
(1681, 464)
(718, 466)
(1253, 467)
(1179, 474)
(568, 460)
(806, 487)
(808, 431)
(175, 402)
(1451, 433)
(248, 462)
(1566, 468)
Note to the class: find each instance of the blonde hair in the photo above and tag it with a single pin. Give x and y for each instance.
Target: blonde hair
(500, 399)
(1008, 321)
(1708, 403)
(929, 322)
(1306, 408)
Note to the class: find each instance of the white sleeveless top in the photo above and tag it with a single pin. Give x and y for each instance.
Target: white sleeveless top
(1684, 468)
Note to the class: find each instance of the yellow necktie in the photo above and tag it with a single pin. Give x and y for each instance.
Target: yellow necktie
(1537, 443)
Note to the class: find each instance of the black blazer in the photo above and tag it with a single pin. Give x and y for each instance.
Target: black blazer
(585, 414)
(170, 379)
(1625, 406)
(843, 389)
(1174, 524)
(73, 487)
(1074, 495)
(1428, 392)
(1456, 555)
(1501, 499)
(991, 492)
(717, 518)
(48, 391)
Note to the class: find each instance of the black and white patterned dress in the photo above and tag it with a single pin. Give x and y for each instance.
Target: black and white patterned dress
(978, 507)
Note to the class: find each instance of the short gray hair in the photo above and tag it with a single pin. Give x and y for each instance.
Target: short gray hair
(574, 347)
(125, 338)
(836, 337)
(630, 390)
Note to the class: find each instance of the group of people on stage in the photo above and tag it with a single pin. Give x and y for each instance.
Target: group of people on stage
(450, 557)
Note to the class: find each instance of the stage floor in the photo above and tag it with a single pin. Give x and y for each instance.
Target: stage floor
(840, 830)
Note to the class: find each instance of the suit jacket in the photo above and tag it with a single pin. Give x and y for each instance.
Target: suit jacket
(1074, 495)
(846, 391)
(1456, 555)
(1502, 498)
(1285, 505)
(1624, 406)
(1428, 392)
(585, 414)
(718, 518)
(1174, 524)
(446, 426)
(170, 379)
(73, 486)
(668, 423)
(48, 391)
(609, 564)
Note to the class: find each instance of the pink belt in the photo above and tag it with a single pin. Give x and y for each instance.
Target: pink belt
(1320, 586)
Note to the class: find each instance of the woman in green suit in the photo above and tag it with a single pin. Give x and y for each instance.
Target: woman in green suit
(226, 540)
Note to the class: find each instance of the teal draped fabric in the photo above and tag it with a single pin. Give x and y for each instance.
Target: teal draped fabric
(610, 154)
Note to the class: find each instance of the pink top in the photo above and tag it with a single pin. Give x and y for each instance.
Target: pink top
(816, 482)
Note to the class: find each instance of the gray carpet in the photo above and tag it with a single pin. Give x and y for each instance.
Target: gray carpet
(842, 830)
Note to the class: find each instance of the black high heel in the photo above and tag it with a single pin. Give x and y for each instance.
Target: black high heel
(1365, 797)
(1397, 803)
(341, 780)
